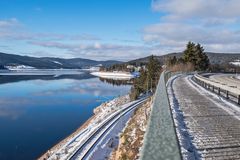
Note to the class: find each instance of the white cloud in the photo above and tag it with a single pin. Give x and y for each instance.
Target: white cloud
(13, 22)
(212, 23)
(23, 35)
(82, 45)
(14, 30)
(198, 8)
(97, 50)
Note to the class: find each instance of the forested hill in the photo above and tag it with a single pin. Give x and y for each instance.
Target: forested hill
(49, 62)
(215, 58)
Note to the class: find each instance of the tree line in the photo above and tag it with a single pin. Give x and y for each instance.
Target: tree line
(194, 59)
(148, 79)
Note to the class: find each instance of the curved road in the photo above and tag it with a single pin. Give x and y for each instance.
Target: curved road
(228, 79)
(91, 143)
(209, 127)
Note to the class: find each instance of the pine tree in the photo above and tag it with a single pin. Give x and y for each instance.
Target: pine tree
(153, 71)
(195, 55)
(172, 61)
(148, 78)
(189, 53)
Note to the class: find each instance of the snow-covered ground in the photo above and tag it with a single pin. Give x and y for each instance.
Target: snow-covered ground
(205, 122)
(114, 75)
(131, 137)
(57, 62)
(223, 84)
(228, 79)
(102, 114)
(237, 77)
(19, 67)
(92, 69)
(103, 141)
(235, 63)
(181, 128)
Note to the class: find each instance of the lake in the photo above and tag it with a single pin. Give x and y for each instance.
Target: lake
(37, 111)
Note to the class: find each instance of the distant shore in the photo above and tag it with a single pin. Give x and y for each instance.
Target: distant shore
(114, 75)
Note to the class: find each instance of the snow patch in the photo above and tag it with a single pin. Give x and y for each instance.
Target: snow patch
(57, 62)
(188, 149)
(103, 113)
(235, 63)
(18, 67)
(229, 107)
(114, 75)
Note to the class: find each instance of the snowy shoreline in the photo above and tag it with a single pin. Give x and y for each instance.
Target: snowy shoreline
(114, 75)
(100, 113)
(41, 72)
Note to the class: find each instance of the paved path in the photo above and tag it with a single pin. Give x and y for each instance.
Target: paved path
(228, 79)
(213, 125)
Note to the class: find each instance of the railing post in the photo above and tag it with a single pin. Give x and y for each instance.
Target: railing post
(218, 90)
(238, 99)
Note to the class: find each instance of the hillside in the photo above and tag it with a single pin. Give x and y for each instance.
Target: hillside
(77, 63)
(215, 58)
(49, 63)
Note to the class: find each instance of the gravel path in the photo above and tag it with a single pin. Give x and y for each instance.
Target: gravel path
(213, 124)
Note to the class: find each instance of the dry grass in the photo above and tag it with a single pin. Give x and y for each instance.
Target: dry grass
(188, 67)
(131, 138)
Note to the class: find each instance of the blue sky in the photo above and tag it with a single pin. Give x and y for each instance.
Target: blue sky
(116, 29)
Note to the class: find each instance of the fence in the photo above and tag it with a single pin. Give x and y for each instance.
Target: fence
(160, 141)
(216, 89)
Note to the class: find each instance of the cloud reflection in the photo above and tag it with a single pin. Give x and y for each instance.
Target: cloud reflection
(56, 93)
(12, 109)
(87, 87)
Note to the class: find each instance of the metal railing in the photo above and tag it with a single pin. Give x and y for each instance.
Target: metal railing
(218, 90)
(160, 141)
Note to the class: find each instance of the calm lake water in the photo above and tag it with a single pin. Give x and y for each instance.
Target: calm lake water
(38, 111)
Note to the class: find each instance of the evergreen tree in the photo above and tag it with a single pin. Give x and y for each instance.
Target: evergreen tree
(180, 61)
(195, 55)
(189, 53)
(148, 78)
(153, 72)
(172, 61)
(202, 62)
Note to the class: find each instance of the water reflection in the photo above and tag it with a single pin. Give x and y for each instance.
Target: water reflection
(117, 82)
(38, 111)
(16, 78)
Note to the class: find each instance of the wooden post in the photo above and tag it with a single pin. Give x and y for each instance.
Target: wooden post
(227, 95)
